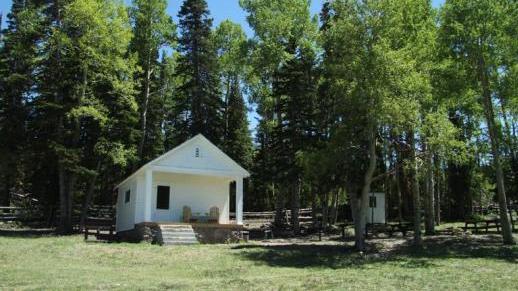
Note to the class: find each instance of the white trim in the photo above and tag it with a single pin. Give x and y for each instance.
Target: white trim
(194, 171)
(158, 214)
(240, 171)
(148, 194)
(239, 200)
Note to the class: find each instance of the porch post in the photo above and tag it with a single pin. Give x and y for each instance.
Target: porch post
(148, 188)
(239, 200)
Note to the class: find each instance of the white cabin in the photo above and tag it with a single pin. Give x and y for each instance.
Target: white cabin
(196, 174)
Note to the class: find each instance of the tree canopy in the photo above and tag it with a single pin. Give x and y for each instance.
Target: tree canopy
(391, 96)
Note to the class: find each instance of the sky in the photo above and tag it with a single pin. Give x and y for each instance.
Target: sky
(220, 10)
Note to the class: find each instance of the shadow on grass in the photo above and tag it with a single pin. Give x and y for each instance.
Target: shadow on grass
(403, 254)
(27, 233)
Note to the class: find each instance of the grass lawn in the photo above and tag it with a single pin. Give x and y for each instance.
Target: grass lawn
(474, 263)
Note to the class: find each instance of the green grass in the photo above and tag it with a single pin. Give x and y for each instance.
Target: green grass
(479, 263)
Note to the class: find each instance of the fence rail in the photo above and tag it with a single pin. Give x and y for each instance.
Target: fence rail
(21, 214)
(253, 217)
(493, 209)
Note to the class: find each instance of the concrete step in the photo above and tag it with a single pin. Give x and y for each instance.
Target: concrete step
(177, 230)
(177, 234)
(175, 226)
(172, 237)
(180, 239)
(172, 243)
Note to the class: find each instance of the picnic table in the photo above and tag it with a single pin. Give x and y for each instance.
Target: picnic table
(101, 228)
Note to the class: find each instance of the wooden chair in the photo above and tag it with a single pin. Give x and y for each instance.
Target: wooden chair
(187, 214)
(213, 215)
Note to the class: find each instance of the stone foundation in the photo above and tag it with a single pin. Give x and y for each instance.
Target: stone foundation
(143, 232)
(215, 235)
(205, 233)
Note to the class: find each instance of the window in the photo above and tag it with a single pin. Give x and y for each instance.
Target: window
(127, 196)
(372, 201)
(197, 152)
(162, 197)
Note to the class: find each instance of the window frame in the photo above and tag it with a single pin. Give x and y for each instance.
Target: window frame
(159, 207)
(127, 196)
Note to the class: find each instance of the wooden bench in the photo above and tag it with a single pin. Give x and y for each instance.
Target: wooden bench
(402, 227)
(486, 224)
(101, 228)
(389, 228)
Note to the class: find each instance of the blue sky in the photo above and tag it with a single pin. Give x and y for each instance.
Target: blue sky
(220, 10)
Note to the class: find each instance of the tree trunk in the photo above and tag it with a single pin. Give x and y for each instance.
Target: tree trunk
(438, 191)
(397, 177)
(415, 190)
(325, 209)
(89, 195)
(279, 207)
(62, 174)
(145, 106)
(314, 213)
(509, 136)
(295, 206)
(359, 204)
(334, 206)
(430, 193)
(62, 200)
(71, 182)
(359, 215)
(507, 234)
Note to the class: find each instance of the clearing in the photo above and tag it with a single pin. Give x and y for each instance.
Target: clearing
(447, 262)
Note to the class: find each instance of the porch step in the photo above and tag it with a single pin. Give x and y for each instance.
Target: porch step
(180, 234)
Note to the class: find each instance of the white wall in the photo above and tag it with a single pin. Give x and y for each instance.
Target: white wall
(139, 199)
(210, 158)
(198, 192)
(377, 214)
(126, 211)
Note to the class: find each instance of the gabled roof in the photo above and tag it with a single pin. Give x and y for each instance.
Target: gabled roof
(196, 140)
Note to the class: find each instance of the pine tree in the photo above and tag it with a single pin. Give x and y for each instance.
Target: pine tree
(232, 47)
(18, 57)
(153, 30)
(84, 120)
(237, 142)
(285, 37)
(199, 109)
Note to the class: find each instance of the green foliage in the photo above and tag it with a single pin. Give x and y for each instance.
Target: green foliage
(284, 62)
(232, 47)
(153, 31)
(91, 89)
(198, 109)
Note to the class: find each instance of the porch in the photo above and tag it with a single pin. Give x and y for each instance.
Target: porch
(167, 192)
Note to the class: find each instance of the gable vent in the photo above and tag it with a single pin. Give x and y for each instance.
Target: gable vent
(197, 152)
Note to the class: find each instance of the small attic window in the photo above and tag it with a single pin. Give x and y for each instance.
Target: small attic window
(197, 152)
